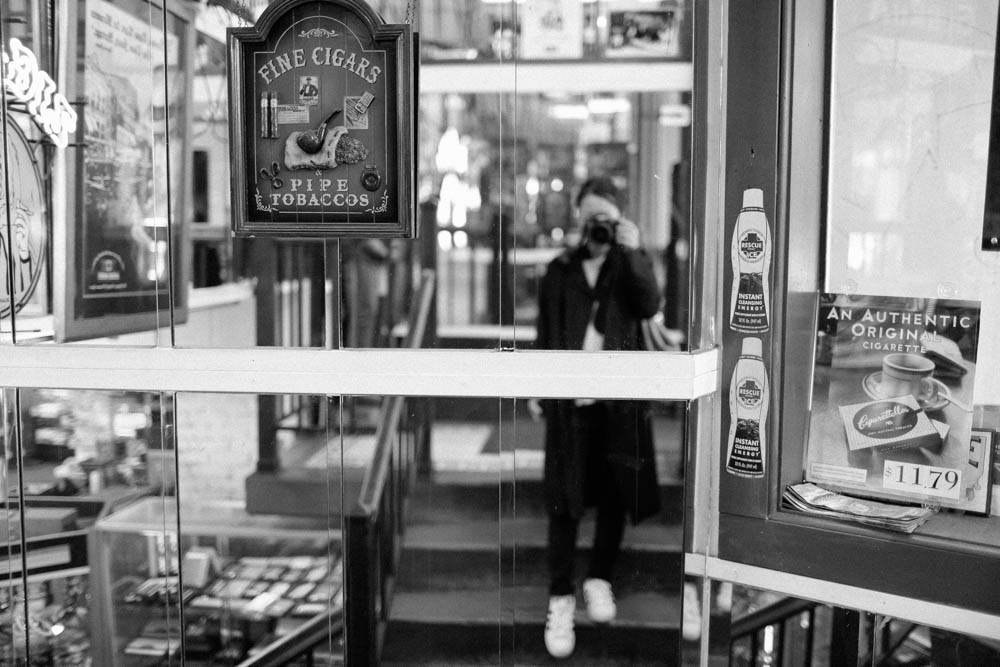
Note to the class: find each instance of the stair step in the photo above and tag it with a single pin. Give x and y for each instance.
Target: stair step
(522, 532)
(477, 555)
(471, 495)
(506, 626)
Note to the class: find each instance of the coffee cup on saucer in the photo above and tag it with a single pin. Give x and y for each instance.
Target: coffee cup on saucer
(906, 373)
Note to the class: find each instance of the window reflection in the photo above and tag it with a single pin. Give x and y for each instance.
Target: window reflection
(477, 548)
(501, 177)
(196, 503)
(498, 175)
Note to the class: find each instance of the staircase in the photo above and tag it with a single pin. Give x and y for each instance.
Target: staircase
(472, 584)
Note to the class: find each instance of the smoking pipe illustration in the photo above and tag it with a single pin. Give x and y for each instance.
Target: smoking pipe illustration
(311, 141)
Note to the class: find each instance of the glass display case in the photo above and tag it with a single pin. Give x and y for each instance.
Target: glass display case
(220, 591)
(53, 617)
(45, 581)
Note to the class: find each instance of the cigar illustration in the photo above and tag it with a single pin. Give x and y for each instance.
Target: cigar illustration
(273, 105)
(265, 116)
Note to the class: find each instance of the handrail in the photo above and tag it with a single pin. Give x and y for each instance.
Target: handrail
(769, 615)
(365, 511)
(303, 639)
(415, 336)
(377, 473)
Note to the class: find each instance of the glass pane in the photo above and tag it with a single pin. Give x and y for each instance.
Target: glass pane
(288, 292)
(97, 237)
(26, 242)
(498, 173)
(498, 169)
(500, 30)
(13, 633)
(486, 546)
(767, 628)
(506, 146)
(464, 157)
(78, 455)
(209, 570)
(380, 464)
(602, 174)
(908, 148)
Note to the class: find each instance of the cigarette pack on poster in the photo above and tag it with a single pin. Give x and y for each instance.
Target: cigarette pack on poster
(897, 423)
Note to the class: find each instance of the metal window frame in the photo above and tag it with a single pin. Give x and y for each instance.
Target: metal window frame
(942, 582)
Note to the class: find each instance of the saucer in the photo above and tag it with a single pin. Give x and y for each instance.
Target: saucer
(873, 387)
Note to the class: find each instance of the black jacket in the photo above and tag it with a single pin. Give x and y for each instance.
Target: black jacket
(626, 292)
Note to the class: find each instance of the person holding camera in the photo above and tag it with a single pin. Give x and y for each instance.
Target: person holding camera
(597, 453)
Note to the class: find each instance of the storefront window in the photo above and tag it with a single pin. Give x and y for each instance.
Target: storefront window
(133, 510)
(501, 155)
(909, 142)
(478, 552)
(881, 414)
(226, 527)
(519, 105)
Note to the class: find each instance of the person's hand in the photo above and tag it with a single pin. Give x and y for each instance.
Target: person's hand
(534, 409)
(627, 234)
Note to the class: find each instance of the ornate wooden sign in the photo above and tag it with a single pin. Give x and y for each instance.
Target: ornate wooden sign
(321, 95)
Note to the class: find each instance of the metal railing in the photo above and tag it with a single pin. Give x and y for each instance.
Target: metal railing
(792, 632)
(373, 527)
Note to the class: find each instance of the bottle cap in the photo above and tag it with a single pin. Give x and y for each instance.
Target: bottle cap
(753, 198)
(752, 347)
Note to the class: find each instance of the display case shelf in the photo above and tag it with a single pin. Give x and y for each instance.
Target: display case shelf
(224, 588)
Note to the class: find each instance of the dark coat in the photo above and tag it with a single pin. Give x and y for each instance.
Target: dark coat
(626, 292)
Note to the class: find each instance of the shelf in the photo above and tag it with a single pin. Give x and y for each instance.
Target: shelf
(159, 515)
(568, 77)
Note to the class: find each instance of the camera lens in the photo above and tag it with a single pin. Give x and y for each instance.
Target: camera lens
(601, 229)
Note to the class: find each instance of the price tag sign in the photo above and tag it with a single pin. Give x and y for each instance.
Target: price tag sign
(922, 479)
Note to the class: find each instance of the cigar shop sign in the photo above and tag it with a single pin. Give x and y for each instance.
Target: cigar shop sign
(321, 102)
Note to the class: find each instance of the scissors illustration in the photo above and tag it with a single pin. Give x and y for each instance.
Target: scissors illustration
(276, 182)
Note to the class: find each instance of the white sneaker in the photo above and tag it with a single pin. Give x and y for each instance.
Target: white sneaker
(691, 622)
(560, 640)
(600, 600)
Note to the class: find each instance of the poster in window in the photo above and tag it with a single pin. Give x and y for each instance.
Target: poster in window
(892, 401)
(121, 250)
(644, 33)
(552, 29)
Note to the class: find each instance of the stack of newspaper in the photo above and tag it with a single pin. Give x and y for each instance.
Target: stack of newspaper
(812, 499)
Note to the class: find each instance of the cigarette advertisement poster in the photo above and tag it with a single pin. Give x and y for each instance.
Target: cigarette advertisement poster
(892, 401)
(133, 83)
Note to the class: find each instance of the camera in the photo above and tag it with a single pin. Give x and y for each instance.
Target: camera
(601, 228)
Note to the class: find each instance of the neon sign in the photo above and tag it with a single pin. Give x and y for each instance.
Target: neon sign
(26, 83)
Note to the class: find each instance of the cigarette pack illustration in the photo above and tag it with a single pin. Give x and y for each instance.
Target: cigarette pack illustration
(895, 423)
